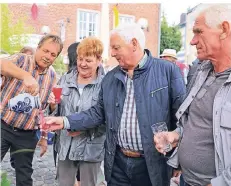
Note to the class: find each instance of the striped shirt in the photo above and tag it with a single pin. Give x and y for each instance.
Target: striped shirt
(11, 87)
(129, 132)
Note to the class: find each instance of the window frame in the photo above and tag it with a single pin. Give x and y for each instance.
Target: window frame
(97, 23)
(123, 15)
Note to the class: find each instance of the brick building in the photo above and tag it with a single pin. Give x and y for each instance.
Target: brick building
(73, 22)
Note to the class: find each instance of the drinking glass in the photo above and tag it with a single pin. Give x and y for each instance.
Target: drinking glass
(159, 130)
(43, 124)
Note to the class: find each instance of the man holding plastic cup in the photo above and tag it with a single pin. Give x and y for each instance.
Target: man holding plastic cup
(203, 136)
(141, 91)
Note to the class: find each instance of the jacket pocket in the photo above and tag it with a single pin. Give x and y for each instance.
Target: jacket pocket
(160, 97)
(157, 90)
(66, 91)
(226, 116)
(201, 93)
(94, 150)
(94, 100)
(65, 99)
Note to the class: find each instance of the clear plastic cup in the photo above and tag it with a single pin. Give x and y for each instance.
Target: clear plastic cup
(159, 130)
(43, 124)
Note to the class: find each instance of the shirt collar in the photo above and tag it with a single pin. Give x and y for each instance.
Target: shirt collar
(43, 72)
(143, 60)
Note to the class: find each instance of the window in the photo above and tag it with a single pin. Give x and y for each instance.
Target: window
(30, 40)
(126, 18)
(33, 40)
(88, 24)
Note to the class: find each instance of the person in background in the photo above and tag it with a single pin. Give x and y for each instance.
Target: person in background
(203, 136)
(27, 50)
(170, 55)
(83, 151)
(141, 91)
(72, 56)
(18, 128)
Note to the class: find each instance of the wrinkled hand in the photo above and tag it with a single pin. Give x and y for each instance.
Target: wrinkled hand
(171, 137)
(42, 143)
(73, 134)
(176, 173)
(176, 176)
(55, 123)
(31, 85)
(51, 101)
(176, 180)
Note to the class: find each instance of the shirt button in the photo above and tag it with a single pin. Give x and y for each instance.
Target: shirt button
(180, 112)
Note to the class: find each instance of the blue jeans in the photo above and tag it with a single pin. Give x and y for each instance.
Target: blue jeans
(128, 171)
(182, 182)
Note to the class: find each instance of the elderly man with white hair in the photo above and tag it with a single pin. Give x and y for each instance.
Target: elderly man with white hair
(204, 133)
(139, 92)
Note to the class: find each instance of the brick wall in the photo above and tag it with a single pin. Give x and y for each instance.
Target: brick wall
(148, 11)
(51, 14)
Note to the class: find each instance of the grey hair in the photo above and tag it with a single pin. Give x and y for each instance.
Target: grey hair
(130, 31)
(216, 14)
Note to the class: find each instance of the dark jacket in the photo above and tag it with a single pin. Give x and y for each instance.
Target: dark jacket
(159, 91)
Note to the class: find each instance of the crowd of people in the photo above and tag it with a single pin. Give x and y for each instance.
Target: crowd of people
(108, 118)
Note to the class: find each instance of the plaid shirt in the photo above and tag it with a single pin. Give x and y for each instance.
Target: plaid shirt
(11, 87)
(129, 132)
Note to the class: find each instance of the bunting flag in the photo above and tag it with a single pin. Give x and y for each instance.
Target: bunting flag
(116, 15)
(34, 11)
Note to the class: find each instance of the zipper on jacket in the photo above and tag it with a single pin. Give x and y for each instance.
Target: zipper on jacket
(154, 91)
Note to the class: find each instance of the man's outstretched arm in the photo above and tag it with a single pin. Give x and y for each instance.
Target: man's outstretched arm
(80, 121)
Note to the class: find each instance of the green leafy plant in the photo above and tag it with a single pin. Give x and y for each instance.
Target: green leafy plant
(13, 34)
(170, 36)
(59, 66)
